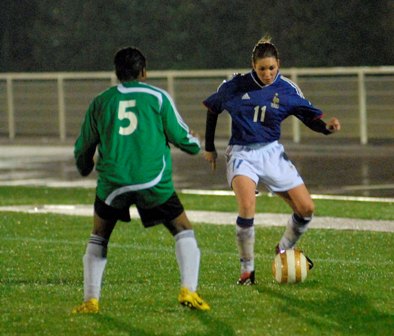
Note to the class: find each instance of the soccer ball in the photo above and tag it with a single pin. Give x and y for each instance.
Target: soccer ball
(290, 266)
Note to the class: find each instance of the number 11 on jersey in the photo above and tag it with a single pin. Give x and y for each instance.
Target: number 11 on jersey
(259, 113)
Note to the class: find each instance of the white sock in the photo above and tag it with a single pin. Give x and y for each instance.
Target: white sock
(188, 257)
(245, 243)
(94, 262)
(296, 226)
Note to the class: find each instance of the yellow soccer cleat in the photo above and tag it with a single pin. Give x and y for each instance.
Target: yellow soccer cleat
(192, 300)
(88, 307)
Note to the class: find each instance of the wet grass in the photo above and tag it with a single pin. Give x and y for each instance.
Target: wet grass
(349, 292)
(350, 209)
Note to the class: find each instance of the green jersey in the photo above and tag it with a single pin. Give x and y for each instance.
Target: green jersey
(131, 125)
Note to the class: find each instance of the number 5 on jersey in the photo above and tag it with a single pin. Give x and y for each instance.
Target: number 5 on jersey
(124, 112)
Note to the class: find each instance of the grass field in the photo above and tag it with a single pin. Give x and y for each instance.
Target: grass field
(349, 292)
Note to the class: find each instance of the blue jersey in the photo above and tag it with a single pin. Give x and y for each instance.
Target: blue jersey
(257, 110)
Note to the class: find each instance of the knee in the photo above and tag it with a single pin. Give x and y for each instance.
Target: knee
(306, 210)
(247, 207)
(179, 224)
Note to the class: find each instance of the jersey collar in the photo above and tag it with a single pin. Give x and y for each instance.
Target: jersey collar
(130, 83)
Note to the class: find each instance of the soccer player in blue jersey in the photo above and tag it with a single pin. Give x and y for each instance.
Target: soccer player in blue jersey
(258, 102)
(131, 125)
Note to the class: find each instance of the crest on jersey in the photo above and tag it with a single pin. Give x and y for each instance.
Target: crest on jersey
(275, 101)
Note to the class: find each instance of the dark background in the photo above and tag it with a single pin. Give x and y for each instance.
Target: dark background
(64, 35)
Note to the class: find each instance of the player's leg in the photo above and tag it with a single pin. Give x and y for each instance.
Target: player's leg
(244, 189)
(95, 257)
(282, 177)
(188, 258)
(303, 207)
(171, 213)
(94, 262)
(186, 250)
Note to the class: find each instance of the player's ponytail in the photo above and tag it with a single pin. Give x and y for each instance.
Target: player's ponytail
(264, 48)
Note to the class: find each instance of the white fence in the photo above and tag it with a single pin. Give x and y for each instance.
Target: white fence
(52, 105)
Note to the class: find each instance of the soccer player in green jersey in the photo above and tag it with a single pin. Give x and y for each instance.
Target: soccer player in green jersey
(131, 125)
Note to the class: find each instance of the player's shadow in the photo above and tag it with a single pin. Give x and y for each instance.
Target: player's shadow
(214, 326)
(124, 328)
(335, 309)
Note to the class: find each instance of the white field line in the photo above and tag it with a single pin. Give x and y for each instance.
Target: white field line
(314, 196)
(222, 218)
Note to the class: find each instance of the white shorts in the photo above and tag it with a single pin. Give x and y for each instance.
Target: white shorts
(263, 163)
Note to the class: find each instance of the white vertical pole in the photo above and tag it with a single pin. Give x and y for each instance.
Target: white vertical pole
(170, 84)
(10, 109)
(62, 113)
(114, 80)
(362, 101)
(295, 121)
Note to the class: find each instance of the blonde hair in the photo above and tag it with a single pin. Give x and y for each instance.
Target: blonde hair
(265, 39)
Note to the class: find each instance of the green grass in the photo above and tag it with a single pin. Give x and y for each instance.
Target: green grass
(350, 209)
(349, 292)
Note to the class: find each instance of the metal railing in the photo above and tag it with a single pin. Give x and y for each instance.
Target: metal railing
(53, 104)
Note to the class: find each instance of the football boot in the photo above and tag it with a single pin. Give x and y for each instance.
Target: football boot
(192, 300)
(246, 279)
(88, 307)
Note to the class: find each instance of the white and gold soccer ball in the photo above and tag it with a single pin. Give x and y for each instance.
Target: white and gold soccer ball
(290, 266)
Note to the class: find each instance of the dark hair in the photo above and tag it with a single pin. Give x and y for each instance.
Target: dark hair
(264, 48)
(129, 63)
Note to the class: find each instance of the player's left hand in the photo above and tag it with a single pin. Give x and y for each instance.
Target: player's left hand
(334, 125)
(194, 134)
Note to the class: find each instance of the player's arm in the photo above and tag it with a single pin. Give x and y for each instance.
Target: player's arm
(210, 130)
(210, 153)
(318, 125)
(85, 162)
(85, 145)
(176, 130)
(312, 117)
(214, 105)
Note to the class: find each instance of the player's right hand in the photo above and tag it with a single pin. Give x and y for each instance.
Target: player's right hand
(211, 158)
